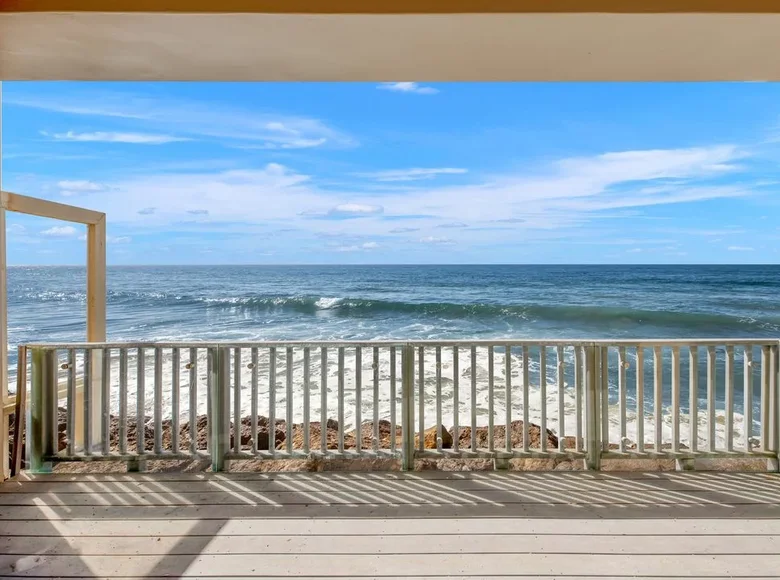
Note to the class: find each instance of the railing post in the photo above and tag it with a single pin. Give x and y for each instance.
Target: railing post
(774, 406)
(42, 423)
(592, 407)
(219, 395)
(407, 408)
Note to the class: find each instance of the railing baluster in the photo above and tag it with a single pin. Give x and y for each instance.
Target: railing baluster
(675, 399)
(438, 400)
(421, 386)
(658, 391)
(729, 380)
(306, 399)
(693, 400)
(341, 400)
(393, 429)
(473, 398)
(175, 399)
(87, 401)
(640, 400)
(455, 400)
(358, 399)
(508, 397)
(711, 384)
(158, 400)
(236, 400)
(105, 378)
(604, 408)
(622, 396)
(272, 401)
(289, 363)
(193, 368)
(324, 400)
(765, 398)
(579, 374)
(747, 388)
(561, 405)
(526, 405)
(375, 368)
(254, 399)
(71, 431)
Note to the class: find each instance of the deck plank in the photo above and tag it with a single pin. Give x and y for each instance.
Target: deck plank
(380, 544)
(384, 498)
(147, 483)
(410, 564)
(259, 528)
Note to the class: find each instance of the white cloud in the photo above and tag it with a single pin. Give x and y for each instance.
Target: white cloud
(407, 87)
(60, 232)
(740, 249)
(634, 251)
(70, 188)
(15, 229)
(436, 240)
(367, 246)
(452, 225)
(413, 174)
(119, 240)
(113, 137)
(82, 185)
(193, 118)
(549, 202)
(356, 209)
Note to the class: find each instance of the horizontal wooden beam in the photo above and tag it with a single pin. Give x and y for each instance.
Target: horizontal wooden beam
(50, 209)
(396, 6)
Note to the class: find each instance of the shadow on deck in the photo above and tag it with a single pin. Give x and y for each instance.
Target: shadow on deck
(403, 525)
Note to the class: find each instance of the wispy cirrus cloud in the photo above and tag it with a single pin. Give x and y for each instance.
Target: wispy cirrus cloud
(60, 232)
(239, 127)
(116, 137)
(553, 201)
(436, 240)
(741, 249)
(74, 187)
(408, 87)
(412, 174)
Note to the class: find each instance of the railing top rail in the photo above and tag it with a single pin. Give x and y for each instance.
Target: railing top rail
(415, 343)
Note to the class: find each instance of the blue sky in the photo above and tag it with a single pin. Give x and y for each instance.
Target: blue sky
(272, 173)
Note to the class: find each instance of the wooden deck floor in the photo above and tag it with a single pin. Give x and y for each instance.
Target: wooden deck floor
(391, 525)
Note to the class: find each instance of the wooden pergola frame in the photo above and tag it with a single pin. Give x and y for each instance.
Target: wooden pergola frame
(96, 289)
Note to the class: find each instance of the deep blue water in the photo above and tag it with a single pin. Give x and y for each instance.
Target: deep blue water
(365, 302)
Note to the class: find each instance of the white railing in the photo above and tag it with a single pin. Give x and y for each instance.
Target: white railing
(502, 400)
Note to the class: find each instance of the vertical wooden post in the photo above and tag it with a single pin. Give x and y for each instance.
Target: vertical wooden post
(4, 423)
(5, 460)
(96, 321)
(43, 410)
(593, 375)
(219, 419)
(407, 408)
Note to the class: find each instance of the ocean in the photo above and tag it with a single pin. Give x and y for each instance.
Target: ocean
(148, 303)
